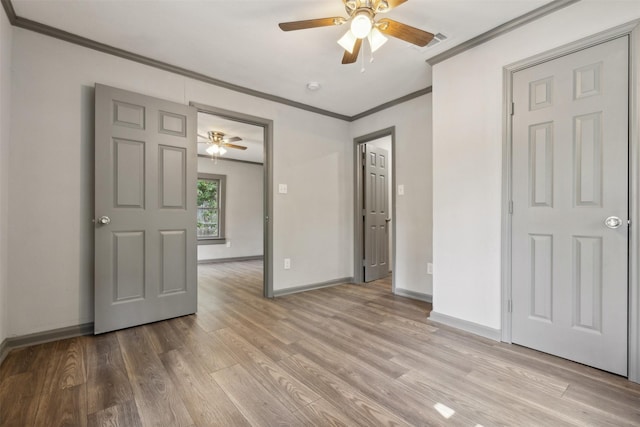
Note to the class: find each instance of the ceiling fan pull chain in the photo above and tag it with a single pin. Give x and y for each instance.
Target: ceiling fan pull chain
(362, 70)
(370, 52)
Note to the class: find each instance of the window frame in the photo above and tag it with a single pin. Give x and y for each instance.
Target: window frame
(222, 190)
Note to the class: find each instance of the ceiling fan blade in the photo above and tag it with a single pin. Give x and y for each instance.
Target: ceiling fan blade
(311, 23)
(404, 32)
(350, 58)
(237, 147)
(203, 137)
(234, 139)
(395, 3)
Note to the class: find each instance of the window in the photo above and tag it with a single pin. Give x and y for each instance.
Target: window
(211, 193)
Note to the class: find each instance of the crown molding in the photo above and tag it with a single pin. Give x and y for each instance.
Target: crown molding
(515, 23)
(47, 30)
(392, 103)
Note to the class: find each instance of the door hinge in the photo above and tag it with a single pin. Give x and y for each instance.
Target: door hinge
(628, 223)
(364, 212)
(513, 108)
(364, 262)
(511, 207)
(509, 306)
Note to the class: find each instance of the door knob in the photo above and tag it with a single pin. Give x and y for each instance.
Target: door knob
(613, 222)
(104, 220)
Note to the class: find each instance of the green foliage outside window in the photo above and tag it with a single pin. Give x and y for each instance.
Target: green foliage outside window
(208, 200)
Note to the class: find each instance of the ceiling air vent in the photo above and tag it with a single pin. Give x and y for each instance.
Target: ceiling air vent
(437, 39)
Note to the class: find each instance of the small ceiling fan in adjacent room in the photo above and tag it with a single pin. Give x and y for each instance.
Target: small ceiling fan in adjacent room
(362, 14)
(218, 143)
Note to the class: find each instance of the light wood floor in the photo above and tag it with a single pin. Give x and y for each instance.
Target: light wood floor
(347, 355)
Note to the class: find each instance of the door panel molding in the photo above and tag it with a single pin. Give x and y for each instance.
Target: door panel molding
(358, 255)
(267, 125)
(632, 31)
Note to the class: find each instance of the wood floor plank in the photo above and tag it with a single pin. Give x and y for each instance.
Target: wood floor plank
(18, 400)
(363, 410)
(348, 355)
(207, 403)
(65, 407)
(67, 366)
(254, 401)
(107, 381)
(394, 396)
(156, 397)
(322, 413)
(208, 349)
(355, 346)
(124, 414)
(289, 391)
(162, 336)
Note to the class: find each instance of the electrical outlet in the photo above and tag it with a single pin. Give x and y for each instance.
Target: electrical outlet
(429, 268)
(287, 263)
(228, 243)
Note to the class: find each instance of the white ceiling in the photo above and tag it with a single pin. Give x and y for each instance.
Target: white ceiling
(252, 137)
(238, 41)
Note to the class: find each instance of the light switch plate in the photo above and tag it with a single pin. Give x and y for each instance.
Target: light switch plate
(429, 268)
(400, 190)
(282, 188)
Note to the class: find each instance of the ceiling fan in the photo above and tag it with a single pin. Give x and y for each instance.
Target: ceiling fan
(362, 14)
(218, 142)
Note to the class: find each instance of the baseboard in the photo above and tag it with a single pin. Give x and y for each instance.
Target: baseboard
(235, 259)
(465, 325)
(43, 337)
(413, 295)
(304, 288)
(4, 350)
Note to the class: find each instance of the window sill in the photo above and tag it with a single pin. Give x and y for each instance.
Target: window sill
(220, 241)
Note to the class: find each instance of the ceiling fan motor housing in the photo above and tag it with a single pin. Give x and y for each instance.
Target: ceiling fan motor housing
(375, 6)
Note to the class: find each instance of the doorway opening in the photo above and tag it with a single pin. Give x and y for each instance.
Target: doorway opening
(234, 205)
(374, 208)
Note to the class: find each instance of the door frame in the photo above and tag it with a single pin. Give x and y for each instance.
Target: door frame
(632, 31)
(267, 233)
(358, 220)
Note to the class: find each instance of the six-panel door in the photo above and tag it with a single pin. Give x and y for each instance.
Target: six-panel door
(145, 188)
(570, 173)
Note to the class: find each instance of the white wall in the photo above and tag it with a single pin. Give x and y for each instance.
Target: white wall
(243, 209)
(413, 219)
(6, 33)
(467, 154)
(50, 279)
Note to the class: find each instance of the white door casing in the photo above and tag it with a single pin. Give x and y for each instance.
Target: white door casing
(376, 207)
(145, 207)
(569, 173)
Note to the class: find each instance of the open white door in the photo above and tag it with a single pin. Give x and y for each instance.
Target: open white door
(145, 207)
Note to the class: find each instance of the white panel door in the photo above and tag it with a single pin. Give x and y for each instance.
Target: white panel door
(145, 207)
(570, 173)
(376, 206)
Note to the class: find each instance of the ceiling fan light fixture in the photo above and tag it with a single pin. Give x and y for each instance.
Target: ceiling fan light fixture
(213, 149)
(376, 39)
(361, 24)
(222, 150)
(348, 41)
